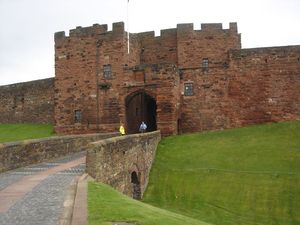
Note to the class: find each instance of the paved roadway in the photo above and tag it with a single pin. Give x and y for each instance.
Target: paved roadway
(34, 195)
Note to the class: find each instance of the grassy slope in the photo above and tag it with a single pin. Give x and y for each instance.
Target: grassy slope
(105, 205)
(16, 132)
(241, 176)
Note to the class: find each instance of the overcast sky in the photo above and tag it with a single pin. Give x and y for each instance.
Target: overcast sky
(27, 27)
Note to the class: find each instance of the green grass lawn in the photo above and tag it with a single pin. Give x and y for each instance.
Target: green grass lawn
(105, 205)
(247, 176)
(17, 132)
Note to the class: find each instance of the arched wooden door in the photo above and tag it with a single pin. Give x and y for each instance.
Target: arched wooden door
(140, 107)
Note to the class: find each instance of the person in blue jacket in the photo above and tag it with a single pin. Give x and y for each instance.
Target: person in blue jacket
(143, 127)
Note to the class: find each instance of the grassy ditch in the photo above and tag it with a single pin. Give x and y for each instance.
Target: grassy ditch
(248, 175)
(105, 205)
(18, 132)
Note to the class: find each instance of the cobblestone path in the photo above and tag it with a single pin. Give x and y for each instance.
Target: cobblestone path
(34, 195)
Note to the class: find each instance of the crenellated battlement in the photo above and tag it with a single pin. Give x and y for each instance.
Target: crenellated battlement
(185, 28)
(118, 28)
(148, 34)
(206, 27)
(96, 29)
(174, 45)
(87, 31)
(211, 26)
(168, 32)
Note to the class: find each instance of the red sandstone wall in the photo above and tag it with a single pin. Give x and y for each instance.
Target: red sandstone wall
(161, 49)
(210, 42)
(264, 85)
(80, 84)
(29, 102)
(259, 85)
(133, 58)
(240, 86)
(207, 108)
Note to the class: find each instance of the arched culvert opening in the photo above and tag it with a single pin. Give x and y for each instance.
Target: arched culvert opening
(140, 107)
(136, 192)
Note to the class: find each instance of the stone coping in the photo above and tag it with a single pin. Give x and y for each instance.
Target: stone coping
(124, 137)
(41, 140)
(23, 153)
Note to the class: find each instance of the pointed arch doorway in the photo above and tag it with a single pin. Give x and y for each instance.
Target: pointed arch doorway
(140, 107)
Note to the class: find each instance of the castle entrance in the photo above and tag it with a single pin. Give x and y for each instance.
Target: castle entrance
(140, 107)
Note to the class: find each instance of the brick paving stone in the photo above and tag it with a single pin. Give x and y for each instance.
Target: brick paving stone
(8, 179)
(43, 204)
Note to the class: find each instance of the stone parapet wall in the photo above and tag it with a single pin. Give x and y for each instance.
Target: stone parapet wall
(263, 85)
(116, 161)
(18, 154)
(256, 86)
(28, 102)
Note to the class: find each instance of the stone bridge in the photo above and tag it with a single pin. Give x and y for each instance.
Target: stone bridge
(36, 174)
(123, 162)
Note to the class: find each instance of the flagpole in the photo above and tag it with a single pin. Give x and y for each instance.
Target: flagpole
(127, 27)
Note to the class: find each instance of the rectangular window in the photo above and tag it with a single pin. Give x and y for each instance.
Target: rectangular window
(205, 63)
(78, 116)
(188, 89)
(106, 71)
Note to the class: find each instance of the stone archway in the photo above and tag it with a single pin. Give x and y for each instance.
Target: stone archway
(140, 107)
(136, 192)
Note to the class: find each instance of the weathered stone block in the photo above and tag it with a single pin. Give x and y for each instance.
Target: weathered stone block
(123, 162)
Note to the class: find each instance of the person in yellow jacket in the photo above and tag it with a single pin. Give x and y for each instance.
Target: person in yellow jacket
(122, 129)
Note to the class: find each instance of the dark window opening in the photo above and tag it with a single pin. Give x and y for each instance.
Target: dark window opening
(134, 178)
(181, 74)
(107, 71)
(78, 116)
(188, 89)
(14, 103)
(205, 63)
